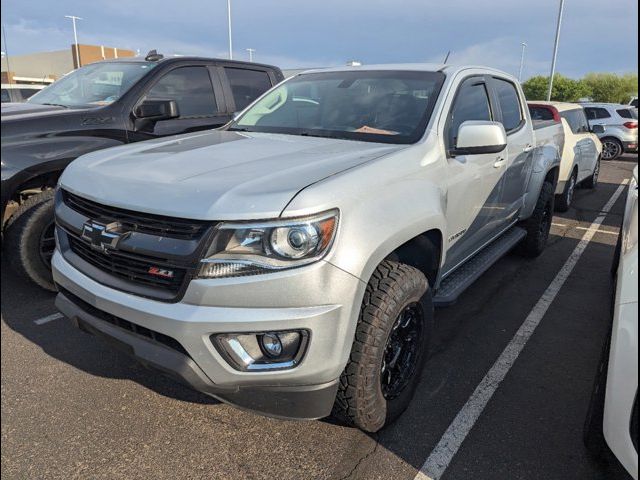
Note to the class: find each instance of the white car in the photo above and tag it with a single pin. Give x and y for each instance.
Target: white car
(582, 148)
(612, 421)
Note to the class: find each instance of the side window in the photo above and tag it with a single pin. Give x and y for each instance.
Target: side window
(541, 113)
(595, 113)
(471, 103)
(509, 103)
(577, 121)
(591, 113)
(190, 87)
(5, 95)
(247, 85)
(625, 113)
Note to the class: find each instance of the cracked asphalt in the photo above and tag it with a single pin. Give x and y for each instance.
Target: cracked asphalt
(74, 408)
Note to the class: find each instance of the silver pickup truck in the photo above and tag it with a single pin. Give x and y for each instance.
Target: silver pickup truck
(289, 263)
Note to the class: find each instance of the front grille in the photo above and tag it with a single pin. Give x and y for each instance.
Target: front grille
(136, 221)
(124, 324)
(134, 268)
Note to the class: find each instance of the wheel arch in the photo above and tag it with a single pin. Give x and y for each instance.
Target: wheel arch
(424, 252)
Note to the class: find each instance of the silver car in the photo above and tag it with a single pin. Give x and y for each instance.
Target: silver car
(621, 127)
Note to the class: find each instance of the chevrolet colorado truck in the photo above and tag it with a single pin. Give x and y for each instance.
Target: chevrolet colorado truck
(108, 103)
(289, 263)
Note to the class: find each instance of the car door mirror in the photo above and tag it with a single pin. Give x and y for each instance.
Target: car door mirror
(597, 129)
(480, 137)
(156, 110)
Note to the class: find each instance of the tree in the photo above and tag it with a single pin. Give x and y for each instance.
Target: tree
(564, 89)
(609, 87)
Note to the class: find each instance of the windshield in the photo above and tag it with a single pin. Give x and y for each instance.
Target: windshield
(93, 85)
(374, 106)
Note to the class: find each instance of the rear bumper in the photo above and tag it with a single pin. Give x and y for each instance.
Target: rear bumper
(630, 147)
(296, 402)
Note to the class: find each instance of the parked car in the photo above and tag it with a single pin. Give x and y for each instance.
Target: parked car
(582, 148)
(634, 102)
(290, 262)
(612, 421)
(105, 104)
(18, 92)
(621, 128)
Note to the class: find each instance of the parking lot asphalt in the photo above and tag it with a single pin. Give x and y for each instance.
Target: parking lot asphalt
(74, 408)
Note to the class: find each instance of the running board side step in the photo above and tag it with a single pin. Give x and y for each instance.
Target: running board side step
(458, 281)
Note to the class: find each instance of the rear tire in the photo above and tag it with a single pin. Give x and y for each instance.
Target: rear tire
(564, 200)
(29, 242)
(592, 181)
(538, 225)
(389, 349)
(611, 148)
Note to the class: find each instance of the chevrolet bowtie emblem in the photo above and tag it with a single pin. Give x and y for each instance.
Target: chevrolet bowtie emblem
(103, 236)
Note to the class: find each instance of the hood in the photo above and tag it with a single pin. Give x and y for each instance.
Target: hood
(15, 111)
(215, 175)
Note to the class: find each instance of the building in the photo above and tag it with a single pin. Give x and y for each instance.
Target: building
(43, 68)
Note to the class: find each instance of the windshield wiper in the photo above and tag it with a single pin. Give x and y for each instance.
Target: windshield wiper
(55, 105)
(238, 129)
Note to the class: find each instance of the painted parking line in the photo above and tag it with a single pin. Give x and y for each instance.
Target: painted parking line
(47, 319)
(441, 456)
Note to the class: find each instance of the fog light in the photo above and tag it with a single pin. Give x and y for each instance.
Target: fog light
(271, 344)
(262, 350)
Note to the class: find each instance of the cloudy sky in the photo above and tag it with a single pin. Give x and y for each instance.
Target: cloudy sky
(597, 35)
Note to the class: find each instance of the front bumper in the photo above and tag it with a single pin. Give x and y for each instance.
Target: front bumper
(319, 298)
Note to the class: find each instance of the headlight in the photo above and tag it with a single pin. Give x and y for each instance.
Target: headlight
(254, 248)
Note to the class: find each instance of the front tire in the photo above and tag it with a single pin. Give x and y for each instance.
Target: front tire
(538, 225)
(564, 200)
(389, 349)
(29, 240)
(592, 181)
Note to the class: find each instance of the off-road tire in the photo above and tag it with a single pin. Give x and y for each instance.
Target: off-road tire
(360, 400)
(539, 224)
(22, 239)
(591, 182)
(564, 200)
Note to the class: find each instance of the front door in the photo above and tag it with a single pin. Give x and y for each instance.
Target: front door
(192, 88)
(474, 181)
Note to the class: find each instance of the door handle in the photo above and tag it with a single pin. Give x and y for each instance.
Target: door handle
(500, 161)
(528, 149)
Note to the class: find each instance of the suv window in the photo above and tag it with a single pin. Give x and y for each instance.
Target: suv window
(247, 85)
(190, 87)
(627, 113)
(509, 103)
(595, 113)
(471, 103)
(577, 120)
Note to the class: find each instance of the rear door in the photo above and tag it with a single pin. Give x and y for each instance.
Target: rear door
(519, 155)
(197, 91)
(474, 181)
(586, 143)
(243, 85)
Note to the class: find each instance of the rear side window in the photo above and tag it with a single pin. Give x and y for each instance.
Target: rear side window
(247, 85)
(509, 103)
(577, 120)
(595, 113)
(27, 92)
(471, 103)
(627, 113)
(191, 88)
(634, 103)
(541, 113)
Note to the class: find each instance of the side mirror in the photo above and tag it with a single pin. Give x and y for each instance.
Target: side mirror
(480, 137)
(156, 110)
(597, 129)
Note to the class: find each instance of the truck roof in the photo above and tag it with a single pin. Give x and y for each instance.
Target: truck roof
(415, 67)
(178, 59)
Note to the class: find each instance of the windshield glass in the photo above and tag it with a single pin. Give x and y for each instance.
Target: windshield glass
(93, 85)
(374, 106)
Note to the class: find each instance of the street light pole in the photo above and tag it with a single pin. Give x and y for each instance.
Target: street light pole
(75, 37)
(555, 50)
(524, 47)
(229, 25)
(251, 52)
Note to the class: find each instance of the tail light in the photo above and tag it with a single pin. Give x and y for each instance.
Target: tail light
(631, 125)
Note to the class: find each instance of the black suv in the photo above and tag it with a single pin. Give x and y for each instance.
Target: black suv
(103, 105)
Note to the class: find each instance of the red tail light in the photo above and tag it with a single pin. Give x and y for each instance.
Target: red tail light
(631, 125)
